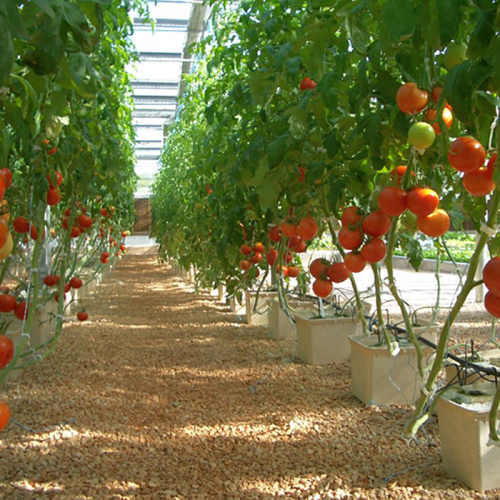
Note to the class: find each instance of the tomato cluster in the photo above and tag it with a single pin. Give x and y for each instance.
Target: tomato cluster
(491, 278)
(296, 234)
(327, 273)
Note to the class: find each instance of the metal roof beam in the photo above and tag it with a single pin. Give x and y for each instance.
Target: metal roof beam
(151, 85)
(154, 99)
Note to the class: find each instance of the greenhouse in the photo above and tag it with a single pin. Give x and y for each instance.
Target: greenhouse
(249, 249)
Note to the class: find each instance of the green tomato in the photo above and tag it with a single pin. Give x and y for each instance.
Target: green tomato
(421, 135)
(455, 54)
(409, 221)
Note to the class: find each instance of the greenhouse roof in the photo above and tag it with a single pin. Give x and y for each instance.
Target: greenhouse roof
(163, 53)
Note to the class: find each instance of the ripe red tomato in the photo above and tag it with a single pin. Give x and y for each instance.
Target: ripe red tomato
(480, 182)
(434, 224)
(256, 257)
(21, 310)
(275, 234)
(4, 232)
(294, 242)
(338, 272)
(4, 415)
(374, 251)
(7, 303)
(322, 288)
(422, 201)
(82, 316)
(318, 268)
(245, 265)
(491, 275)
(308, 228)
(6, 351)
(75, 282)
(272, 256)
(246, 249)
(287, 257)
(307, 84)
(259, 247)
(283, 270)
(7, 174)
(350, 217)
(84, 221)
(466, 154)
(289, 229)
(75, 232)
(301, 247)
(104, 212)
(410, 99)
(53, 196)
(446, 115)
(21, 225)
(354, 262)
(492, 304)
(50, 280)
(376, 224)
(34, 233)
(122, 247)
(350, 240)
(293, 271)
(392, 201)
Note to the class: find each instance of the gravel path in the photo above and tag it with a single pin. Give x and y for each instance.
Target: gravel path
(164, 394)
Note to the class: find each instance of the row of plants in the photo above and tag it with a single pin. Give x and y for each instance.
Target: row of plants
(378, 120)
(67, 159)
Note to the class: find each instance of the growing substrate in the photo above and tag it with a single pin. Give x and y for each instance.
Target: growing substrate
(165, 393)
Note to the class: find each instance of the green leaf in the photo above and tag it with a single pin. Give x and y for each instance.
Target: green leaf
(268, 194)
(450, 15)
(294, 65)
(358, 35)
(399, 18)
(45, 6)
(6, 53)
(481, 36)
(429, 24)
(258, 84)
(319, 111)
(331, 144)
(77, 67)
(328, 88)
(77, 22)
(387, 86)
(277, 151)
(260, 173)
(15, 23)
(298, 123)
(458, 88)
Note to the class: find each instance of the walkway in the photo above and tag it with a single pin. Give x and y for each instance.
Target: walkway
(152, 398)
